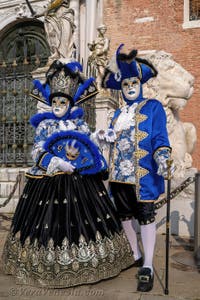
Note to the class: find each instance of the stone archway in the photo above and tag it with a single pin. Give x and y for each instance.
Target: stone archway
(23, 48)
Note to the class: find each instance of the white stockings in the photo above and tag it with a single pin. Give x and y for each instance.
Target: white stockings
(130, 227)
(148, 236)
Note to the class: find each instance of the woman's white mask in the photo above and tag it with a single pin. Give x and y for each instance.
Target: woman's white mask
(60, 106)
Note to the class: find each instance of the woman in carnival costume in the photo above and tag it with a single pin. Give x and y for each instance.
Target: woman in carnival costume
(138, 156)
(65, 230)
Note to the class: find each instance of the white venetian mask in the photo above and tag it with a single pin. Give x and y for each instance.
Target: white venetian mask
(60, 106)
(131, 88)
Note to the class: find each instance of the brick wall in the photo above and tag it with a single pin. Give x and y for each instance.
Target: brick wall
(166, 33)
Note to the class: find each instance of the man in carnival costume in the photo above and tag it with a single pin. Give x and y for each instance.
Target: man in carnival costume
(65, 230)
(138, 156)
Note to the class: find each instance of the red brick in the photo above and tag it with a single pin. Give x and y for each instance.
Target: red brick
(164, 33)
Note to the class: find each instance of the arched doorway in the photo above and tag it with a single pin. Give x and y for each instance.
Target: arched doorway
(23, 48)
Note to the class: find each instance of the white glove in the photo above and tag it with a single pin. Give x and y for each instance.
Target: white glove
(101, 134)
(65, 166)
(163, 169)
(110, 136)
(58, 164)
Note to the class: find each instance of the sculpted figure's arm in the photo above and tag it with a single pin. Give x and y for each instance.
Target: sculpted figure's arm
(38, 15)
(106, 46)
(51, 5)
(59, 28)
(91, 46)
(43, 12)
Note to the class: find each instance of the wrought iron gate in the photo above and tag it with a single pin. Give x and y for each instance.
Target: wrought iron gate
(22, 49)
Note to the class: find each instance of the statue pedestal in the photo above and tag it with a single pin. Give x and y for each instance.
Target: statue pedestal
(105, 105)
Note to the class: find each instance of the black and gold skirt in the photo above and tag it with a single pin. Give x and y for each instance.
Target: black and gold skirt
(65, 232)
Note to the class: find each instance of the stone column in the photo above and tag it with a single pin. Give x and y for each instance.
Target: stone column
(75, 5)
(104, 105)
(91, 6)
(100, 12)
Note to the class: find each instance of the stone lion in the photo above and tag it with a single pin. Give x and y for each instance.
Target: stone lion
(173, 87)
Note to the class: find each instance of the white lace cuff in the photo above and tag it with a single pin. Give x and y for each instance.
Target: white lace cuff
(161, 156)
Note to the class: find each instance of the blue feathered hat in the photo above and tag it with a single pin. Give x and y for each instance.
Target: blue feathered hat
(64, 80)
(124, 66)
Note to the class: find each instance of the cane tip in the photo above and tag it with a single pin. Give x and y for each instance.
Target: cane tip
(166, 292)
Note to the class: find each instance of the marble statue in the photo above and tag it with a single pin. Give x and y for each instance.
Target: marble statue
(21, 10)
(173, 86)
(99, 53)
(59, 28)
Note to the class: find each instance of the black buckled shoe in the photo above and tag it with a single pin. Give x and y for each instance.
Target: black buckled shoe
(139, 262)
(145, 280)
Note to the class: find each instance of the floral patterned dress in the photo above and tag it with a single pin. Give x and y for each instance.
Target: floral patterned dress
(65, 230)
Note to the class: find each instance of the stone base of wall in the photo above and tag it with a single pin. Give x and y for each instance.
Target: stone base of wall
(8, 178)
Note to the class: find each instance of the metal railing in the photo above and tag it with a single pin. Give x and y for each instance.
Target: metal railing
(197, 220)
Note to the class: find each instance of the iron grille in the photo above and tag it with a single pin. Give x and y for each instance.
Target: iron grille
(23, 49)
(194, 10)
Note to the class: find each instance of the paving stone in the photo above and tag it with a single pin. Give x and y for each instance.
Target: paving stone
(184, 282)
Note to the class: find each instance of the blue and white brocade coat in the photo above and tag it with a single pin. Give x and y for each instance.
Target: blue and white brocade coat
(141, 132)
(46, 125)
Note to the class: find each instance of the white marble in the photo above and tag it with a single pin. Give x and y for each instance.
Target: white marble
(173, 87)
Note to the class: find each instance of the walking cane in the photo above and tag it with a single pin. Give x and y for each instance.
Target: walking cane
(169, 163)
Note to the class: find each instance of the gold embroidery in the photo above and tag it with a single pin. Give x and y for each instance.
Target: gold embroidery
(127, 182)
(61, 266)
(41, 160)
(141, 172)
(147, 201)
(140, 117)
(140, 135)
(139, 153)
